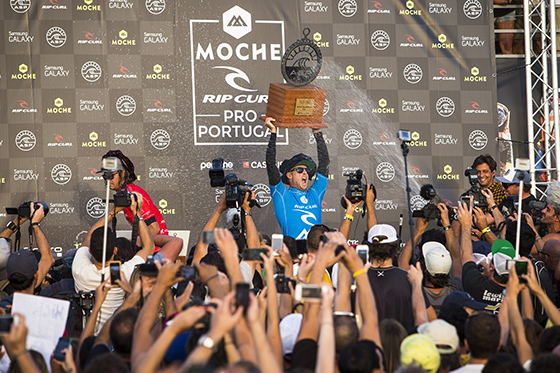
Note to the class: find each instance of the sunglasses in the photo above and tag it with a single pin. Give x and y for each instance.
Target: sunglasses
(300, 170)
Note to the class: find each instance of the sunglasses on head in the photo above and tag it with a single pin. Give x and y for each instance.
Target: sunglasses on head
(300, 169)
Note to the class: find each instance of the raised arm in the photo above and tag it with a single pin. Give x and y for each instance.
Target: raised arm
(464, 215)
(143, 231)
(513, 288)
(201, 249)
(47, 258)
(532, 282)
(322, 153)
(451, 240)
(274, 177)
(326, 351)
(348, 217)
(406, 254)
(418, 304)
(370, 206)
(273, 320)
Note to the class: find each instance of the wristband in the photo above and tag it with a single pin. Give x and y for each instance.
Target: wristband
(358, 272)
(35, 224)
(485, 230)
(248, 214)
(348, 217)
(446, 228)
(11, 226)
(18, 354)
(494, 207)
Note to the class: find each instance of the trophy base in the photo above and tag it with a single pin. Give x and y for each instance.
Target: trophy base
(296, 107)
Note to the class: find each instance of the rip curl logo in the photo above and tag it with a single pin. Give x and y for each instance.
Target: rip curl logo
(155, 7)
(61, 174)
(160, 139)
(95, 207)
(20, 6)
(303, 199)
(56, 37)
(126, 105)
(25, 140)
(236, 74)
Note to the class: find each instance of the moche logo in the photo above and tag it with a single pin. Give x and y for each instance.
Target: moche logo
(237, 22)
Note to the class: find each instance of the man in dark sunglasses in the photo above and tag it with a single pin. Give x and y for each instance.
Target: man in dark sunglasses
(296, 196)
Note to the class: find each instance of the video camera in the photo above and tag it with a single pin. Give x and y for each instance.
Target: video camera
(430, 210)
(24, 210)
(479, 200)
(355, 190)
(235, 188)
(535, 207)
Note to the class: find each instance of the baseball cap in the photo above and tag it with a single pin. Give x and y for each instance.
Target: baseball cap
(480, 258)
(299, 159)
(502, 251)
(512, 177)
(289, 330)
(23, 262)
(385, 230)
(117, 166)
(436, 257)
(421, 350)
(443, 334)
(463, 299)
(5, 249)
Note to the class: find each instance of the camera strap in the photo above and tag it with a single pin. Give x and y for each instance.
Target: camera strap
(18, 235)
(135, 222)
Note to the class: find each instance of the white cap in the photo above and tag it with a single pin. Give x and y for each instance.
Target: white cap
(437, 258)
(289, 330)
(500, 261)
(512, 177)
(385, 230)
(443, 334)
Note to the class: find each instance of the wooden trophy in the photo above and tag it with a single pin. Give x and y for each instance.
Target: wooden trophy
(298, 104)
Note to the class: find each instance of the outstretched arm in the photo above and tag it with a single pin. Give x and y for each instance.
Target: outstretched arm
(274, 177)
(201, 249)
(322, 153)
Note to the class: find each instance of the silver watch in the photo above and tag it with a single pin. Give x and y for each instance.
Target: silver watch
(206, 341)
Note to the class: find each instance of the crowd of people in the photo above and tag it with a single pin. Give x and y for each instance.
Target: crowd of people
(460, 298)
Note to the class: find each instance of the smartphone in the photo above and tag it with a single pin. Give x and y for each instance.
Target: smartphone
(188, 272)
(63, 343)
(363, 252)
(253, 254)
(521, 269)
(208, 237)
(307, 292)
(242, 295)
(277, 242)
(5, 324)
(115, 272)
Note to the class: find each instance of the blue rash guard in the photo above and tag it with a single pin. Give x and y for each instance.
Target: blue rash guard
(297, 211)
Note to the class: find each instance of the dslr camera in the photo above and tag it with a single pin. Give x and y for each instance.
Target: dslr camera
(123, 198)
(24, 210)
(355, 189)
(235, 188)
(430, 210)
(475, 191)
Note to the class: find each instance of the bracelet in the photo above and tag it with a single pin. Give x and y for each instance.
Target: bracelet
(485, 230)
(494, 207)
(358, 272)
(12, 226)
(35, 224)
(348, 217)
(210, 278)
(18, 354)
(248, 214)
(446, 228)
(538, 238)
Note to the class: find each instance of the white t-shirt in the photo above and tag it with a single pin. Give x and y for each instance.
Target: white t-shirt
(87, 278)
(469, 368)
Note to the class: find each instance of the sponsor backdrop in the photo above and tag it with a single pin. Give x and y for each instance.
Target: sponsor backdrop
(175, 84)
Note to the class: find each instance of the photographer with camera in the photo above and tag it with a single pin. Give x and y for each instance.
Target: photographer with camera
(121, 179)
(24, 272)
(485, 166)
(298, 207)
(87, 265)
